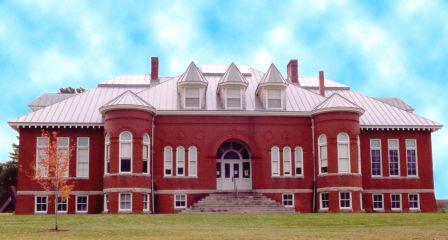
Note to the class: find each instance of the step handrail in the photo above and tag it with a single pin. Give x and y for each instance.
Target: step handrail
(235, 188)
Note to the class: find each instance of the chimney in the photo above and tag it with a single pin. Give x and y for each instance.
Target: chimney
(292, 70)
(321, 83)
(154, 69)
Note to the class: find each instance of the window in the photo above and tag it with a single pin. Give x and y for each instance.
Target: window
(81, 204)
(323, 159)
(145, 151)
(63, 154)
(345, 200)
(378, 202)
(180, 161)
(40, 204)
(82, 157)
(62, 205)
(394, 157)
(298, 161)
(343, 153)
(192, 161)
(233, 98)
(414, 201)
(168, 161)
(395, 201)
(275, 161)
(358, 142)
(192, 98)
(274, 99)
(105, 202)
(286, 161)
(107, 154)
(125, 202)
(375, 156)
(146, 202)
(125, 152)
(324, 200)
(288, 200)
(411, 156)
(180, 201)
(42, 156)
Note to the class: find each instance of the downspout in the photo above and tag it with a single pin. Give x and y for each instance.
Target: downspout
(314, 164)
(152, 164)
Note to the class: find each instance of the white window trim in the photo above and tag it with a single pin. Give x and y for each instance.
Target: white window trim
(416, 157)
(418, 202)
(148, 205)
(68, 153)
(88, 157)
(35, 204)
(283, 200)
(321, 201)
(192, 163)
(186, 201)
(398, 156)
(119, 202)
(105, 201)
(267, 100)
(185, 98)
(165, 166)
(381, 157)
(382, 202)
(296, 161)
(241, 99)
(37, 155)
(178, 149)
(401, 202)
(319, 145)
(348, 151)
(87, 204)
(148, 144)
(106, 145)
(119, 152)
(278, 161)
(358, 142)
(286, 148)
(57, 202)
(351, 201)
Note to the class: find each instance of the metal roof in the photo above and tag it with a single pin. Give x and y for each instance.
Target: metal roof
(396, 102)
(336, 102)
(126, 100)
(192, 74)
(233, 75)
(48, 99)
(273, 75)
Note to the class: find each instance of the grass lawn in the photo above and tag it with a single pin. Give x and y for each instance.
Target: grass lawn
(214, 226)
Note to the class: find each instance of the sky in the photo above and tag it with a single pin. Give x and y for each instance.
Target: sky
(379, 48)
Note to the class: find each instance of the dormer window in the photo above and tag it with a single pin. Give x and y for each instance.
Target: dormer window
(274, 98)
(192, 98)
(233, 98)
(272, 89)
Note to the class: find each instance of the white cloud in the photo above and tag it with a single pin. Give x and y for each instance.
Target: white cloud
(262, 59)
(280, 35)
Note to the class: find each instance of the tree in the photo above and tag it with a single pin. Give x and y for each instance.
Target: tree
(8, 177)
(71, 90)
(51, 170)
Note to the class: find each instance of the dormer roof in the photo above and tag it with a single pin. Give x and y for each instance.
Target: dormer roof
(127, 100)
(233, 76)
(337, 103)
(272, 77)
(192, 75)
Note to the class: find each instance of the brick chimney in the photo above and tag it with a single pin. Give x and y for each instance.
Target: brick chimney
(321, 83)
(154, 69)
(292, 70)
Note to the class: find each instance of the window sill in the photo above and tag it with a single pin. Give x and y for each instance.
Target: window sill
(287, 177)
(414, 210)
(346, 209)
(394, 177)
(378, 210)
(124, 211)
(396, 210)
(40, 212)
(190, 177)
(323, 210)
(81, 212)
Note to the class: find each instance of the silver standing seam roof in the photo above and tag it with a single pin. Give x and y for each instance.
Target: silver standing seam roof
(83, 109)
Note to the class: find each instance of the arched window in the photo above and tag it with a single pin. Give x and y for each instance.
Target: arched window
(298, 157)
(323, 157)
(107, 154)
(287, 161)
(343, 153)
(146, 152)
(125, 152)
(192, 161)
(275, 161)
(168, 161)
(180, 161)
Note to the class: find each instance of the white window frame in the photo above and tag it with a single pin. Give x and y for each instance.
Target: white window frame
(120, 150)
(119, 202)
(66, 149)
(418, 202)
(292, 199)
(87, 204)
(180, 160)
(398, 156)
(146, 201)
(340, 201)
(167, 164)
(146, 142)
(371, 157)
(287, 161)
(192, 161)
(358, 142)
(46, 204)
(78, 148)
(416, 157)
(185, 98)
(106, 153)
(61, 203)
(321, 206)
(382, 202)
(227, 98)
(342, 143)
(105, 202)
(275, 154)
(391, 202)
(180, 200)
(322, 144)
(298, 161)
(268, 97)
(39, 170)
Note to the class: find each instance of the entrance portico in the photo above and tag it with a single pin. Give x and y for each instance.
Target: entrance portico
(233, 167)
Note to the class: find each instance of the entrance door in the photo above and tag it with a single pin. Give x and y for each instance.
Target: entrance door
(233, 170)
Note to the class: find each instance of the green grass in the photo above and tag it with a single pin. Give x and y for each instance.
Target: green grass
(202, 226)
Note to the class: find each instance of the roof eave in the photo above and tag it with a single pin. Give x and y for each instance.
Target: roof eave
(104, 109)
(360, 111)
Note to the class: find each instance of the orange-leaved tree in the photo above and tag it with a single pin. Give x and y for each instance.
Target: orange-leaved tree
(51, 168)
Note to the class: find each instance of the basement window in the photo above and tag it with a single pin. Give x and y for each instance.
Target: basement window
(345, 200)
(125, 202)
(41, 204)
(378, 202)
(180, 201)
(62, 205)
(288, 200)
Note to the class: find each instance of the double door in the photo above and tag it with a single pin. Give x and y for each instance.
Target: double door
(233, 174)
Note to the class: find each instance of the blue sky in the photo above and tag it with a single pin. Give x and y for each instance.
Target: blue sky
(380, 48)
